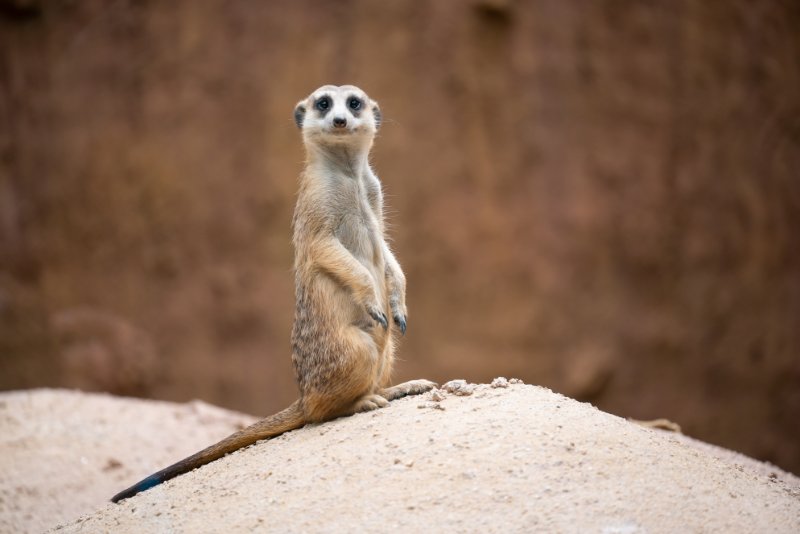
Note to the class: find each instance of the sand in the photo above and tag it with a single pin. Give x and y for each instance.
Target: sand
(506, 459)
(64, 453)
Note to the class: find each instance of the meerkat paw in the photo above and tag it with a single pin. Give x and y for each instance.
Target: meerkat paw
(378, 316)
(400, 321)
(412, 387)
(368, 403)
(399, 314)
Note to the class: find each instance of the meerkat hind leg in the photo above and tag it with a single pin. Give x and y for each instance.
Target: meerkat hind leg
(412, 387)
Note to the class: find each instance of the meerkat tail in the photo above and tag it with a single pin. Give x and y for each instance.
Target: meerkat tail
(269, 427)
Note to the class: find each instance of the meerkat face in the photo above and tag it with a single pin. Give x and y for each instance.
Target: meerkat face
(337, 114)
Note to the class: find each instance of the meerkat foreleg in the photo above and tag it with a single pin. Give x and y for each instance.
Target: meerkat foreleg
(396, 283)
(332, 257)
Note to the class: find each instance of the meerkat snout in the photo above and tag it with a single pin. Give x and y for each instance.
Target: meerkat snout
(339, 122)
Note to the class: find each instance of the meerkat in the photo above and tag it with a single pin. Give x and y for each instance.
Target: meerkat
(349, 288)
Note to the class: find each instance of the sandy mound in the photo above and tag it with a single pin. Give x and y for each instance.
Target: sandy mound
(64, 453)
(519, 458)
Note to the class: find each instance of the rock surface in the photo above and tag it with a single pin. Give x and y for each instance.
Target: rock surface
(520, 458)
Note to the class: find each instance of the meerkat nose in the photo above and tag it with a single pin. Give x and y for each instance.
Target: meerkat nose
(339, 122)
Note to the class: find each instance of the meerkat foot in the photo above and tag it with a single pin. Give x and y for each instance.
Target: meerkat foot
(368, 403)
(412, 387)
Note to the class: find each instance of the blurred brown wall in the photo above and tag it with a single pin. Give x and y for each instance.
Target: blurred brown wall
(600, 197)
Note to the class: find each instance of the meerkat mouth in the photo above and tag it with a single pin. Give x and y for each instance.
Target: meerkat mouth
(343, 132)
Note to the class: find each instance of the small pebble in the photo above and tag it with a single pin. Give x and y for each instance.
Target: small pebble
(459, 387)
(437, 395)
(499, 382)
(434, 405)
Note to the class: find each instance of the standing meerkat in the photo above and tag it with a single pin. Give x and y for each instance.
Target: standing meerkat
(349, 288)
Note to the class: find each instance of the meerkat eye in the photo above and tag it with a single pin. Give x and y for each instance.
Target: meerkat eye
(354, 103)
(323, 103)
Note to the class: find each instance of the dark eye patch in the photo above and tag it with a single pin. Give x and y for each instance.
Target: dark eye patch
(355, 105)
(323, 105)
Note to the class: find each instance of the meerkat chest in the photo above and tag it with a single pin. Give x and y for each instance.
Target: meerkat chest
(357, 226)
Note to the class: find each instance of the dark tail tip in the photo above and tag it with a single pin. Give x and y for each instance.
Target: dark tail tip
(146, 484)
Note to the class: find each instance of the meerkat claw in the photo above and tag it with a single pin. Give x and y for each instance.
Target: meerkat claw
(400, 321)
(380, 318)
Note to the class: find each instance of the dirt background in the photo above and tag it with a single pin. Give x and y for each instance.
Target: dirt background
(602, 198)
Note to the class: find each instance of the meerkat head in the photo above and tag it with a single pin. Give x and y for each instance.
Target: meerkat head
(338, 115)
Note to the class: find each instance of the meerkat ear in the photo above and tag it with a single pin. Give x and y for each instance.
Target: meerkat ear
(376, 112)
(299, 114)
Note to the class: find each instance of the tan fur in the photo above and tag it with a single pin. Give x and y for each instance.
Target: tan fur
(350, 290)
